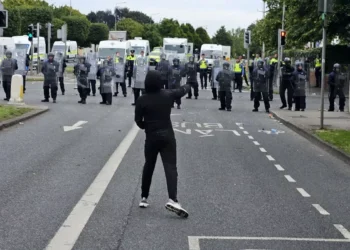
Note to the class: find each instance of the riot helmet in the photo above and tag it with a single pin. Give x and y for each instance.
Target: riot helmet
(163, 56)
(260, 64)
(336, 67)
(82, 59)
(287, 61)
(299, 65)
(176, 61)
(50, 56)
(191, 59)
(226, 65)
(8, 54)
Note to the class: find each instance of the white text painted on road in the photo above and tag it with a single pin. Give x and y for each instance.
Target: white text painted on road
(187, 131)
(74, 127)
(320, 209)
(197, 125)
(279, 167)
(233, 131)
(270, 158)
(303, 192)
(343, 231)
(205, 133)
(289, 178)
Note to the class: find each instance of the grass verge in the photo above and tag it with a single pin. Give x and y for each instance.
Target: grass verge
(8, 112)
(338, 138)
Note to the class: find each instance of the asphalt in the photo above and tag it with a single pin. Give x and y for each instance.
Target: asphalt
(229, 185)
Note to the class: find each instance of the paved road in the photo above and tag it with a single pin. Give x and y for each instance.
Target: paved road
(260, 190)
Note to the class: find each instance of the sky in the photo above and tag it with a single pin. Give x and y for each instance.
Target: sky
(210, 14)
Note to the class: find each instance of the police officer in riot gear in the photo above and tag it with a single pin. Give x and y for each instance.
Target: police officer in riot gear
(8, 67)
(225, 78)
(61, 72)
(261, 86)
(164, 68)
(300, 87)
(50, 69)
(175, 79)
(130, 61)
(106, 74)
(287, 84)
(336, 83)
(191, 69)
(81, 70)
(203, 71)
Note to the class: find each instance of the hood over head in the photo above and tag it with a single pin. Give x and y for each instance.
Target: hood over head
(153, 82)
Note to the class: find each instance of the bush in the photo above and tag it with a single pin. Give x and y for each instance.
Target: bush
(14, 23)
(98, 32)
(57, 24)
(34, 15)
(78, 28)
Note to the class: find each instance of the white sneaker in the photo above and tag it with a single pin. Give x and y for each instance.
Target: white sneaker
(175, 207)
(143, 203)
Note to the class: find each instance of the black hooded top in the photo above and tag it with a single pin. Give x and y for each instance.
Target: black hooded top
(152, 112)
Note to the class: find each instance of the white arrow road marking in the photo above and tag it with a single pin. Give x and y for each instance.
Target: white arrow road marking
(74, 127)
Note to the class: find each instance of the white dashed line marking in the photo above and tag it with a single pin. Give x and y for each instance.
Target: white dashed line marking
(279, 167)
(263, 150)
(256, 143)
(241, 128)
(270, 158)
(251, 137)
(320, 209)
(246, 132)
(289, 178)
(343, 231)
(303, 192)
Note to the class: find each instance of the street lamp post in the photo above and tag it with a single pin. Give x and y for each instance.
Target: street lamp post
(115, 15)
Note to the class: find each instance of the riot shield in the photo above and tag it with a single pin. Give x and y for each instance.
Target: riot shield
(20, 55)
(91, 58)
(217, 66)
(300, 85)
(225, 77)
(140, 72)
(107, 76)
(59, 57)
(170, 56)
(119, 67)
(260, 83)
(82, 75)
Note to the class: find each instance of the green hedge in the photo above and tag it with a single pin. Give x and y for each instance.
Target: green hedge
(34, 15)
(98, 32)
(78, 28)
(57, 24)
(14, 23)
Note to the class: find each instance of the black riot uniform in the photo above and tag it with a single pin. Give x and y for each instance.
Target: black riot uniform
(175, 77)
(106, 74)
(163, 67)
(50, 69)
(81, 71)
(261, 86)
(130, 61)
(287, 84)
(8, 67)
(300, 80)
(152, 113)
(24, 76)
(191, 69)
(61, 74)
(336, 82)
(225, 78)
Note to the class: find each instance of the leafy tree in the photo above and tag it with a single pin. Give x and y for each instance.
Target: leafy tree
(138, 17)
(23, 3)
(254, 47)
(98, 32)
(106, 17)
(170, 28)
(238, 41)
(203, 35)
(151, 33)
(57, 24)
(34, 15)
(59, 12)
(14, 19)
(78, 28)
(133, 28)
(223, 37)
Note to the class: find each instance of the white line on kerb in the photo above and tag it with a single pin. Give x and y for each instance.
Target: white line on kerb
(320, 209)
(69, 232)
(279, 167)
(303, 192)
(246, 132)
(251, 137)
(263, 150)
(270, 158)
(343, 231)
(289, 178)
(256, 143)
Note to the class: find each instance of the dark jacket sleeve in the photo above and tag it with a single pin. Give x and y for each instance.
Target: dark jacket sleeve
(180, 92)
(218, 76)
(331, 79)
(43, 67)
(27, 60)
(16, 65)
(139, 114)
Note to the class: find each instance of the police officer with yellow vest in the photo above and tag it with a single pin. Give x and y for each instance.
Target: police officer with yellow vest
(130, 60)
(272, 69)
(203, 71)
(318, 66)
(238, 69)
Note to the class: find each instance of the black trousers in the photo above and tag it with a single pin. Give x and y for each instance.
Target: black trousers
(203, 75)
(251, 89)
(165, 144)
(225, 99)
(245, 78)
(92, 83)
(123, 87)
(165, 84)
(215, 93)
(290, 92)
(239, 81)
(53, 92)
(194, 85)
(318, 76)
(24, 84)
(7, 89)
(83, 92)
(61, 80)
(257, 98)
(271, 87)
(106, 98)
(300, 102)
(137, 93)
(129, 79)
(178, 100)
(332, 95)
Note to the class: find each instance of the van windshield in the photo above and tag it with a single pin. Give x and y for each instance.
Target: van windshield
(56, 48)
(103, 53)
(212, 54)
(180, 49)
(22, 46)
(138, 49)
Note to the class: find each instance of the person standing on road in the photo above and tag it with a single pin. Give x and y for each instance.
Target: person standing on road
(238, 69)
(8, 68)
(164, 67)
(152, 113)
(50, 69)
(318, 66)
(140, 71)
(225, 78)
(287, 84)
(120, 70)
(24, 76)
(191, 69)
(300, 87)
(203, 71)
(272, 69)
(81, 70)
(130, 60)
(261, 86)
(106, 74)
(336, 83)
(176, 73)
(244, 66)
(60, 74)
